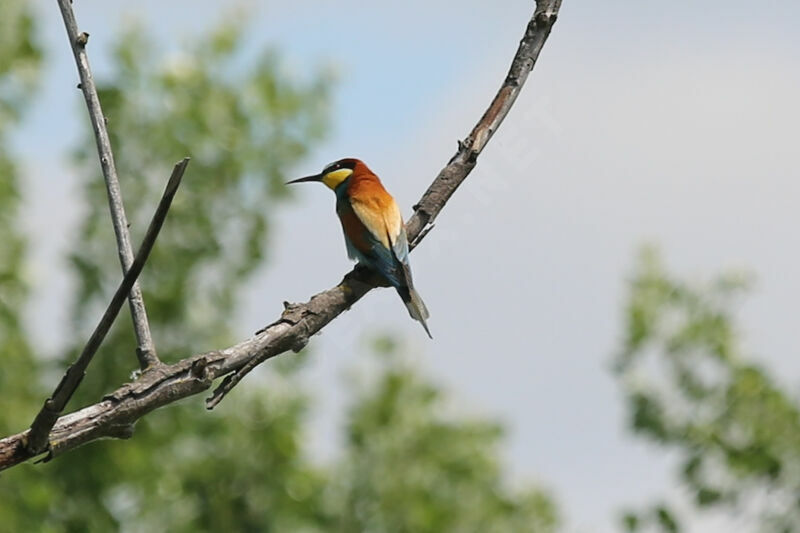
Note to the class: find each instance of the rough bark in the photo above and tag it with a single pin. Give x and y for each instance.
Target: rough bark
(165, 384)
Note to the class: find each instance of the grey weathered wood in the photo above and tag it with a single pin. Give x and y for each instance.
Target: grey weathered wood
(37, 438)
(145, 351)
(116, 414)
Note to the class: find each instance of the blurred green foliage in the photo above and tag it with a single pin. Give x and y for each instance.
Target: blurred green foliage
(20, 61)
(245, 120)
(689, 387)
(406, 464)
(409, 467)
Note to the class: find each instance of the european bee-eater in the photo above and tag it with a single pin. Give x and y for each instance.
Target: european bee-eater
(374, 232)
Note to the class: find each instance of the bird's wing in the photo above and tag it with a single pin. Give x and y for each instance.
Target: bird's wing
(375, 213)
(357, 237)
(384, 241)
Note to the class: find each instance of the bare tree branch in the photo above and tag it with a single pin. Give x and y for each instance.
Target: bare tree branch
(445, 184)
(462, 163)
(53, 406)
(145, 351)
(116, 414)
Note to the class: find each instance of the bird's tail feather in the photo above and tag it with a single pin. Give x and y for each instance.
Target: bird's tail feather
(416, 307)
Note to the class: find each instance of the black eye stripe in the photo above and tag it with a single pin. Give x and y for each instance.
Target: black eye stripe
(338, 165)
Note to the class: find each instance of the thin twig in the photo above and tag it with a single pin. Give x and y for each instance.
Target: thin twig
(53, 406)
(115, 415)
(145, 351)
(460, 165)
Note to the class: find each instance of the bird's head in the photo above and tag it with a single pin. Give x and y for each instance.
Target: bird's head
(333, 174)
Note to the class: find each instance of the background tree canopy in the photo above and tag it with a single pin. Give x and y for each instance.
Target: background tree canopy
(690, 387)
(406, 462)
(242, 467)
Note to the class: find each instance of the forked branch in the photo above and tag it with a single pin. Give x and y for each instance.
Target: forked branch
(54, 406)
(116, 414)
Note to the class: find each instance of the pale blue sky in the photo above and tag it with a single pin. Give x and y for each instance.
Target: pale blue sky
(644, 122)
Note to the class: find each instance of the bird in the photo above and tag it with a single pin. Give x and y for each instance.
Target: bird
(374, 232)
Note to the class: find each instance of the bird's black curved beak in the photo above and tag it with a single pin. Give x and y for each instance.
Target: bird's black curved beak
(315, 177)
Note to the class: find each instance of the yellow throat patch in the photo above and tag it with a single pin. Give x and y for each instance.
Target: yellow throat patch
(334, 178)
